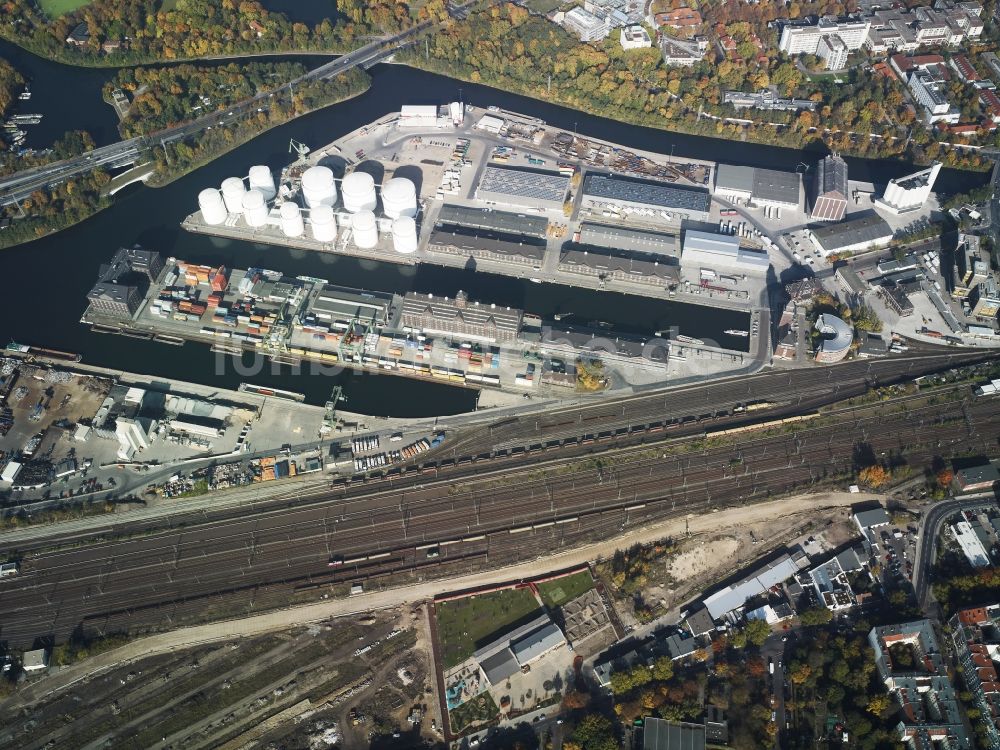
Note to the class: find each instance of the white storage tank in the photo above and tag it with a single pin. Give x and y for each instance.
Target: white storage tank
(232, 194)
(211, 205)
(318, 187)
(291, 220)
(399, 198)
(254, 208)
(322, 224)
(260, 178)
(404, 235)
(358, 190)
(365, 230)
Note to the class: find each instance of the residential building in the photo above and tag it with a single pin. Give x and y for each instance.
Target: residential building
(79, 36)
(990, 103)
(836, 338)
(975, 633)
(964, 68)
(683, 52)
(905, 194)
(635, 37)
(830, 580)
(946, 24)
(913, 669)
(833, 51)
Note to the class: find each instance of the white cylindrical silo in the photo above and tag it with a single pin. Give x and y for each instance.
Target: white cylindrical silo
(404, 235)
(213, 208)
(322, 224)
(358, 189)
(232, 193)
(291, 220)
(399, 198)
(318, 187)
(254, 208)
(260, 178)
(365, 230)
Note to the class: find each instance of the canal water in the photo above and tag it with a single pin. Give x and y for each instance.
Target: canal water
(45, 282)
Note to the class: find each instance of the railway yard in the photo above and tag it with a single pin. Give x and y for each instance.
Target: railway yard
(495, 494)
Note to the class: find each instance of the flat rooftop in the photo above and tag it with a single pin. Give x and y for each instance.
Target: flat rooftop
(866, 226)
(775, 186)
(498, 221)
(492, 242)
(646, 192)
(629, 239)
(529, 184)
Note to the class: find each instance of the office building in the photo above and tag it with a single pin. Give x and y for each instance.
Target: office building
(829, 190)
(635, 37)
(985, 298)
(122, 283)
(586, 25)
(829, 38)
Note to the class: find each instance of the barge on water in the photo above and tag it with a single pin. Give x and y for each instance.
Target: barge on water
(261, 390)
(40, 351)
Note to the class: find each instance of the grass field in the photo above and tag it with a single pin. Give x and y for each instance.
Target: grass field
(561, 590)
(56, 8)
(465, 624)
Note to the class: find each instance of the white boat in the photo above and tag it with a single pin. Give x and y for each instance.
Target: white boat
(688, 340)
(25, 95)
(736, 332)
(535, 280)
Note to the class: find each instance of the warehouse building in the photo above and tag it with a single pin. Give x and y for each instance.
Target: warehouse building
(763, 187)
(510, 653)
(621, 238)
(721, 253)
(523, 187)
(863, 231)
(620, 265)
(661, 734)
(735, 595)
(605, 192)
(909, 193)
(460, 317)
(340, 307)
(486, 245)
(496, 221)
(830, 190)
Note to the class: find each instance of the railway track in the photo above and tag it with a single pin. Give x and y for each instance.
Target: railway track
(508, 513)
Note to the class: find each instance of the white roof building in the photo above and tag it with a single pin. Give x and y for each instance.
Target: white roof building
(635, 37)
(971, 545)
(720, 252)
(909, 193)
(586, 25)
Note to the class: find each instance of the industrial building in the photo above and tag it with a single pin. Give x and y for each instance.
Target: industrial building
(623, 238)
(122, 283)
(721, 253)
(977, 478)
(735, 595)
(863, 231)
(431, 115)
(620, 265)
(763, 187)
(507, 655)
(523, 187)
(497, 221)
(486, 245)
(340, 307)
(661, 734)
(909, 193)
(836, 340)
(829, 190)
(460, 317)
(605, 192)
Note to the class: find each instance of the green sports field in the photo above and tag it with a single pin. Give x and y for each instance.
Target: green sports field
(56, 8)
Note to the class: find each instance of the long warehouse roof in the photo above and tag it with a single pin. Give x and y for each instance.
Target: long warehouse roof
(622, 238)
(866, 226)
(646, 192)
(488, 242)
(524, 183)
(500, 221)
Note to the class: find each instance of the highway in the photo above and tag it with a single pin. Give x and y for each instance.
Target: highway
(20, 185)
(471, 516)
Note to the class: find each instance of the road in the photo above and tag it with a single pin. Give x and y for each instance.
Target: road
(482, 515)
(930, 528)
(20, 185)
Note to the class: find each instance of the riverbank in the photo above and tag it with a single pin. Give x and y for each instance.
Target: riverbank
(167, 172)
